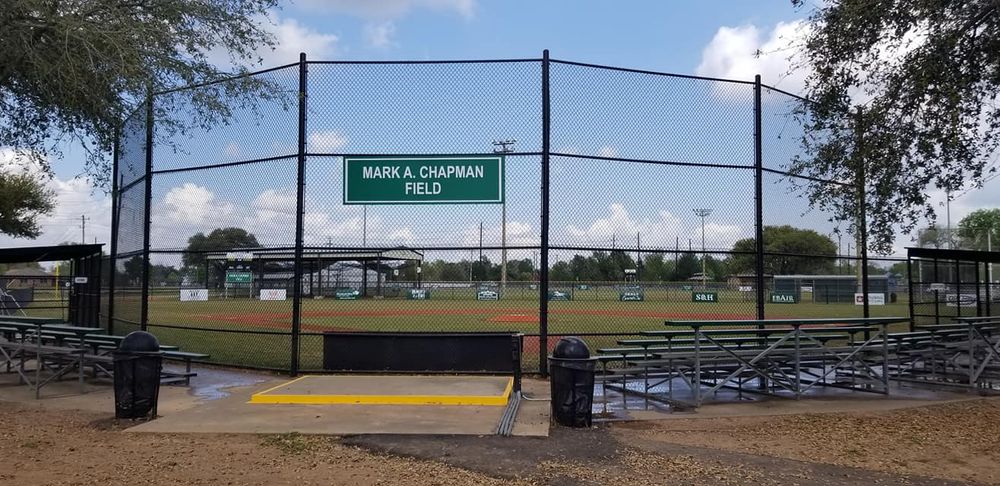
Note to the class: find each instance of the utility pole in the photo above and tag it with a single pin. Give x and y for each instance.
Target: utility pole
(83, 229)
(703, 213)
(364, 226)
(503, 147)
(480, 249)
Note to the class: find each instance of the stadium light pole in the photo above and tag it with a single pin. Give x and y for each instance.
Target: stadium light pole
(503, 147)
(703, 213)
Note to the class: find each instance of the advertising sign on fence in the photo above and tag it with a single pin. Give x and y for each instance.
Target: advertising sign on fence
(780, 298)
(418, 294)
(188, 295)
(559, 295)
(873, 299)
(745, 288)
(484, 294)
(273, 294)
(704, 297)
(687, 287)
(631, 294)
(964, 300)
(346, 294)
(423, 180)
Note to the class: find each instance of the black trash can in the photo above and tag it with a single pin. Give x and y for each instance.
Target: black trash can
(138, 362)
(571, 379)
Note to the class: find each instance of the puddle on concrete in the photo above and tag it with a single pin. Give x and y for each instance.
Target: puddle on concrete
(211, 383)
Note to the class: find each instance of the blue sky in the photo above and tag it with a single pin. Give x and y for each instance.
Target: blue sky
(708, 38)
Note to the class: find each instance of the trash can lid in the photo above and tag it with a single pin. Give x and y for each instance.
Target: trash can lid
(140, 341)
(571, 347)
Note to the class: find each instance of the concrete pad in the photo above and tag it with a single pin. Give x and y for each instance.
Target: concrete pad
(233, 414)
(390, 390)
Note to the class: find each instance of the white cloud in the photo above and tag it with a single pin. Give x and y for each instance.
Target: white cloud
(620, 228)
(607, 151)
(402, 236)
(73, 198)
(232, 150)
(293, 38)
(742, 52)
(193, 205)
(518, 234)
(326, 141)
(388, 8)
(379, 34)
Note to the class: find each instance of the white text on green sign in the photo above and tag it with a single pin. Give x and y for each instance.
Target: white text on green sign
(424, 180)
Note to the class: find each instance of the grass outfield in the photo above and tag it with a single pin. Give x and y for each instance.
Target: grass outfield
(453, 310)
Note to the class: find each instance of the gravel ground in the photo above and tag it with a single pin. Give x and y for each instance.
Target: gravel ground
(955, 441)
(958, 441)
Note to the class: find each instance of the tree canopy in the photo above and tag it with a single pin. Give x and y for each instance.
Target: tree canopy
(926, 75)
(793, 251)
(220, 239)
(25, 199)
(980, 230)
(73, 70)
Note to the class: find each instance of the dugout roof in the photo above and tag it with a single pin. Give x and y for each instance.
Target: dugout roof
(48, 253)
(329, 255)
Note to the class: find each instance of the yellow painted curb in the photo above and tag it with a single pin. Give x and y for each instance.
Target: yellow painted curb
(468, 400)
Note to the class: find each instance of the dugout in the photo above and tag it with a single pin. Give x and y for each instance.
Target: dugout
(82, 284)
(324, 270)
(946, 283)
(830, 289)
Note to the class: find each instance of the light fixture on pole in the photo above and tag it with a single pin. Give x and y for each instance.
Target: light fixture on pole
(503, 147)
(703, 213)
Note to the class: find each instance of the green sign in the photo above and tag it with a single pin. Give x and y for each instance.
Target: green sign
(483, 294)
(559, 295)
(631, 294)
(239, 277)
(424, 180)
(777, 298)
(687, 287)
(704, 297)
(346, 294)
(419, 294)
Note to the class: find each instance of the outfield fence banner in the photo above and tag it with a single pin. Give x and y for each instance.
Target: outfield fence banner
(189, 295)
(589, 200)
(273, 294)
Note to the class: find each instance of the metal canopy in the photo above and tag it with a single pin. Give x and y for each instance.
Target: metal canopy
(404, 254)
(48, 253)
(960, 255)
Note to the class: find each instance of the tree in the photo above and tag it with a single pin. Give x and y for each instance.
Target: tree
(74, 70)
(687, 265)
(221, 239)
(788, 250)
(932, 237)
(980, 230)
(926, 72)
(24, 200)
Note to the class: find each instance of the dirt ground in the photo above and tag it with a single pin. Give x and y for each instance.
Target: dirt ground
(959, 440)
(927, 445)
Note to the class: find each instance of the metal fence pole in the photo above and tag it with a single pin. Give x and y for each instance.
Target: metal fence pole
(299, 210)
(758, 195)
(113, 251)
(862, 210)
(147, 217)
(909, 290)
(543, 287)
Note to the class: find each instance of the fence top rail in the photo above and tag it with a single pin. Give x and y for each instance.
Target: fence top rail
(863, 321)
(645, 71)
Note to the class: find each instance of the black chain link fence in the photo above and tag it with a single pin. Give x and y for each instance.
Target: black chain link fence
(631, 198)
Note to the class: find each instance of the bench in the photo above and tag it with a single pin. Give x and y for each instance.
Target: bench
(187, 358)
